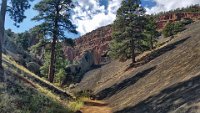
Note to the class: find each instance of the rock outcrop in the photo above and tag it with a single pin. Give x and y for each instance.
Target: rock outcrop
(172, 17)
(17, 53)
(90, 50)
(75, 72)
(97, 41)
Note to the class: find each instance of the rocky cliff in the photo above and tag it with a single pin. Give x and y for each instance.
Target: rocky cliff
(96, 43)
(172, 17)
(98, 40)
(90, 50)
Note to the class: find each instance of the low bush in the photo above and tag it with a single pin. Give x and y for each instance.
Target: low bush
(76, 105)
(186, 21)
(173, 28)
(60, 76)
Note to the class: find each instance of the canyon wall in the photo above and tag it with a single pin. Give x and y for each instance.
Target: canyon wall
(91, 49)
(97, 41)
(172, 17)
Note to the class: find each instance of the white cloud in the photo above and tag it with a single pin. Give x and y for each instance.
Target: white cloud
(89, 15)
(166, 5)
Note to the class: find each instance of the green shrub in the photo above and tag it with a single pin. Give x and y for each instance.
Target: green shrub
(76, 105)
(187, 21)
(173, 28)
(60, 76)
(178, 27)
(84, 93)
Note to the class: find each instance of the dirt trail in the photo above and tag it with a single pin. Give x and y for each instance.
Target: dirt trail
(93, 106)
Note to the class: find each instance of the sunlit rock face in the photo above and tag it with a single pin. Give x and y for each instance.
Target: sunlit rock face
(90, 51)
(172, 17)
(96, 42)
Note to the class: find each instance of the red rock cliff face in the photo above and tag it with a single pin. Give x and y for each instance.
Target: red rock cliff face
(172, 17)
(98, 40)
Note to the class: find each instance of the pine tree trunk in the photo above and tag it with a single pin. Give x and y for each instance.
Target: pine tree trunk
(2, 27)
(133, 51)
(52, 67)
(151, 43)
(52, 61)
(1, 38)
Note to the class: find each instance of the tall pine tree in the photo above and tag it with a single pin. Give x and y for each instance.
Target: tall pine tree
(55, 15)
(127, 30)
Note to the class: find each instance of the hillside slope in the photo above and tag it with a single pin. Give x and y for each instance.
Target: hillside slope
(21, 91)
(19, 96)
(170, 82)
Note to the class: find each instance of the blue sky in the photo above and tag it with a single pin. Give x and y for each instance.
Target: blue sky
(91, 14)
(26, 24)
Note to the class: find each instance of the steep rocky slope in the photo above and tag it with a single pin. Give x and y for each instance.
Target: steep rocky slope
(170, 82)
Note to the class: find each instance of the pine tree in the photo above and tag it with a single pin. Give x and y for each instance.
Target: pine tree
(16, 10)
(127, 30)
(150, 31)
(55, 15)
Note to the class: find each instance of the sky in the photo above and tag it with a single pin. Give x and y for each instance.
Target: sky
(92, 14)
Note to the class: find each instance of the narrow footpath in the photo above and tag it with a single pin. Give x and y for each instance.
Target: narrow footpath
(94, 106)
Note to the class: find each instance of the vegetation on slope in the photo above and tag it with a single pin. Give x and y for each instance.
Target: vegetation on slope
(51, 98)
(16, 96)
(172, 28)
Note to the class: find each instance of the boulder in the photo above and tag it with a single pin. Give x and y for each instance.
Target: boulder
(33, 67)
(75, 72)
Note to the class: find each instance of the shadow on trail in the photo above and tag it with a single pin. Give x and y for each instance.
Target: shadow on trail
(184, 93)
(108, 92)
